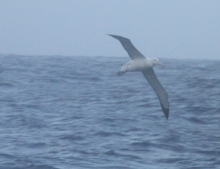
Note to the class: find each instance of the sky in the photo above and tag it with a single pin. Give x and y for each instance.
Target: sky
(181, 29)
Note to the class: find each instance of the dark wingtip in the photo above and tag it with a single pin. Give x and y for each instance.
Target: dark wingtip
(110, 34)
(114, 36)
(167, 117)
(166, 112)
(117, 37)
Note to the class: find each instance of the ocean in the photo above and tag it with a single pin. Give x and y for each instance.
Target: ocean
(62, 112)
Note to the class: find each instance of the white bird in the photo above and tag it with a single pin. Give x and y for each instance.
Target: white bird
(145, 65)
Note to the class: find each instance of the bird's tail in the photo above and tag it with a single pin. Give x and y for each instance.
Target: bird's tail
(120, 72)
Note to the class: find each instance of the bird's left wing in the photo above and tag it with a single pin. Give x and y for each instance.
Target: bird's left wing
(129, 47)
(159, 90)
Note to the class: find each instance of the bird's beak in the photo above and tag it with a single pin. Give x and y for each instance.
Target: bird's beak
(161, 64)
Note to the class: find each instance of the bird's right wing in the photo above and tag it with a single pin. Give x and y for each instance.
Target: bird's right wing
(159, 90)
(129, 47)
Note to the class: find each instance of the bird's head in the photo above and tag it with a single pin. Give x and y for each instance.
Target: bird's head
(157, 62)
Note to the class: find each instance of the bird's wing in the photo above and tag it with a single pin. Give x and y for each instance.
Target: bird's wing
(129, 47)
(159, 90)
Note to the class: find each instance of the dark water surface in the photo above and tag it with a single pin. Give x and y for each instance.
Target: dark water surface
(75, 112)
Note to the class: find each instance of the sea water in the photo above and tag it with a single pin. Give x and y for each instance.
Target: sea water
(60, 112)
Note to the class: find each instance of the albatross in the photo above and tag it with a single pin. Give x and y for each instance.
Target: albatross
(144, 64)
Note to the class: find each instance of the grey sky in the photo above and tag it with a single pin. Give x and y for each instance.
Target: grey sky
(158, 28)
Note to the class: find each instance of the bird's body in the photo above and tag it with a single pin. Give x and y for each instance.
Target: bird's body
(140, 63)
